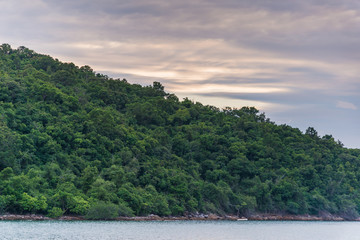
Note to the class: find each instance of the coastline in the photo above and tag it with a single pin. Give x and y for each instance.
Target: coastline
(197, 217)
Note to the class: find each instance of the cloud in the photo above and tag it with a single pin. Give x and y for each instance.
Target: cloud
(346, 105)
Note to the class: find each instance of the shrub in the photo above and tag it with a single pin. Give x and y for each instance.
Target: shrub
(55, 212)
(102, 211)
(125, 210)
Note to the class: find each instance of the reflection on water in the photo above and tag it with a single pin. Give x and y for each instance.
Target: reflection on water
(180, 230)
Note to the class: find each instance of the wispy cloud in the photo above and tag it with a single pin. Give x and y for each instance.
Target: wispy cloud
(346, 105)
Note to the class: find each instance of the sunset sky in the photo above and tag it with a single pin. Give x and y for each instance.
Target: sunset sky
(298, 61)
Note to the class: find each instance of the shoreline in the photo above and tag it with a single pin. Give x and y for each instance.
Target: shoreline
(197, 217)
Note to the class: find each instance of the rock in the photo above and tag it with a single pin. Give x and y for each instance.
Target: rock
(213, 217)
(231, 217)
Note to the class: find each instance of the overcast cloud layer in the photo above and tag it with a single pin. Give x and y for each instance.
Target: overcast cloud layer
(299, 61)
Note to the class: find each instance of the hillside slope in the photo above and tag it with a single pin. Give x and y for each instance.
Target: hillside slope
(76, 142)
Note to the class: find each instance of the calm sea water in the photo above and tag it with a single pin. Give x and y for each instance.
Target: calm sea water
(180, 230)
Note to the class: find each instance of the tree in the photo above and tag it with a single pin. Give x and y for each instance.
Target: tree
(88, 177)
(311, 132)
(5, 49)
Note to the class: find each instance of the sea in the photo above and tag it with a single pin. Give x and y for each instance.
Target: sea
(180, 230)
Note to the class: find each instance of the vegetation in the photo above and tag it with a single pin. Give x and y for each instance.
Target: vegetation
(73, 141)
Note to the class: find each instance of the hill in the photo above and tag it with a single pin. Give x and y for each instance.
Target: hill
(73, 141)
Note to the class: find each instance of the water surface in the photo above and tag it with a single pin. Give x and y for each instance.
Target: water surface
(180, 230)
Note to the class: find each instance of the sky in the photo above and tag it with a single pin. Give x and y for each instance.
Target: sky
(298, 61)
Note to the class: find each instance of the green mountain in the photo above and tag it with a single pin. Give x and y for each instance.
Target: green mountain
(73, 141)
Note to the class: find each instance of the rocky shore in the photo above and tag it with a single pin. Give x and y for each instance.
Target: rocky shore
(280, 217)
(35, 217)
(255, 217)
(191, 217)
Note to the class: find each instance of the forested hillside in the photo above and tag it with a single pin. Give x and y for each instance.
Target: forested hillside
(73, 141)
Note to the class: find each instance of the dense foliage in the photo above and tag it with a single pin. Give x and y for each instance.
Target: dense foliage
(76, 142)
